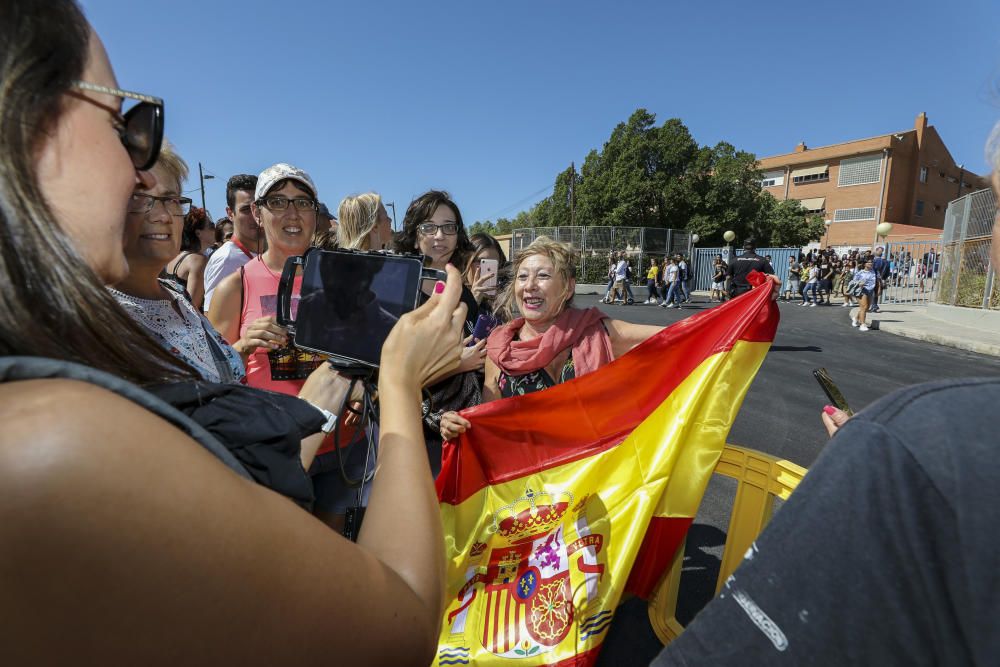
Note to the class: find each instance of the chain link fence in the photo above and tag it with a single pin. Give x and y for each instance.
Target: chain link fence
(641, 245)
(966, 277)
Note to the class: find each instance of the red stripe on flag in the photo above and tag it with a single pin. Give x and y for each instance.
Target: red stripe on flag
(572, 421)
(506, 622)
(496, 620)
(663, 536)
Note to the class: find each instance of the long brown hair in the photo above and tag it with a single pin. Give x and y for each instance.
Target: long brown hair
(51, 303)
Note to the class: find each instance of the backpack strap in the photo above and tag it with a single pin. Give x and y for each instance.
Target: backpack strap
(13, 369)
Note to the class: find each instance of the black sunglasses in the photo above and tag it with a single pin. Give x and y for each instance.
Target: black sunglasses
(141, 130)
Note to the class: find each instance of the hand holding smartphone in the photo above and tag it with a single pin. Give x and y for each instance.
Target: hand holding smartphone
(488, 273)
(831, 390)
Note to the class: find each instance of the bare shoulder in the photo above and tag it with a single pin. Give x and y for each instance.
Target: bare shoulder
(196, 262)
(55, 427)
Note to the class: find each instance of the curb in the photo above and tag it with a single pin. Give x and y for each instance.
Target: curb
(931, 337)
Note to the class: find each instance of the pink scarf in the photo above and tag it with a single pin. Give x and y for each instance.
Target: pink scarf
(581, 330)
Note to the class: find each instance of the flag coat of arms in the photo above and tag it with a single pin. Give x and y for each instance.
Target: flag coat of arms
(557, 502)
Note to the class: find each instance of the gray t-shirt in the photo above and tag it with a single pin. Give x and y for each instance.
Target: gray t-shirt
(886, 554)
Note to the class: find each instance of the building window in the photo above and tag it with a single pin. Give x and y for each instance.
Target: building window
(852, 214)
(772, 179)
(920, 207)
(860, 170)
(825, 176)
(923, 174)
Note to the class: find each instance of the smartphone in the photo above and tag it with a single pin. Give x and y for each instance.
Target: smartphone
(831, 390)
(485, 323)
(488, 267)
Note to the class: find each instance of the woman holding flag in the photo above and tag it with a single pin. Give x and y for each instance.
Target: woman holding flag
(552, 341)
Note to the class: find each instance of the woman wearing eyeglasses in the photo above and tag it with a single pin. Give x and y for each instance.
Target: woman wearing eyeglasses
(140, 543)
(244, 305)
(153, 231)
(433, 227)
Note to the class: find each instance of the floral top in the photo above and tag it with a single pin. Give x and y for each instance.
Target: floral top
(183, 334)
(519, 385)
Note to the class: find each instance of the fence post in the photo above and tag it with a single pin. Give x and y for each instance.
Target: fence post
(966, 212)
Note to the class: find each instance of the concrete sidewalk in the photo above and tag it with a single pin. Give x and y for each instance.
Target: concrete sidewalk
(962, 328)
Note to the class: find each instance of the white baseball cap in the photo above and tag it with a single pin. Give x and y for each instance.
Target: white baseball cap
(280, 172)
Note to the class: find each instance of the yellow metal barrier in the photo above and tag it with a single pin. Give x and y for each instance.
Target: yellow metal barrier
(761, 478)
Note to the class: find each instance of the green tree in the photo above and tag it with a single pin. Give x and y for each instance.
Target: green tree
(789, 223)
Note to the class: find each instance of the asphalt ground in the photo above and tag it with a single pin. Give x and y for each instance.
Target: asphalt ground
(781, 416)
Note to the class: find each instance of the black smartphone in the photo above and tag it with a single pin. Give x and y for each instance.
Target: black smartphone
(831, 390)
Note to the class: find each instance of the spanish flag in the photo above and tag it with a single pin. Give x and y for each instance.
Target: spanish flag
(557, 502)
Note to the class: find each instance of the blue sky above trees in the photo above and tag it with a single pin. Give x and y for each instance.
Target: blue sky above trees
(492, 100)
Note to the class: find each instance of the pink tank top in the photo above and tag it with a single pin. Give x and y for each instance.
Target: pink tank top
(283, 370)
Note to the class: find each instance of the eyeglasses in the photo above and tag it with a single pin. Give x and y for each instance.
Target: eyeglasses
(430, 229)
(143, 203)
(281, 203)
(140, 128)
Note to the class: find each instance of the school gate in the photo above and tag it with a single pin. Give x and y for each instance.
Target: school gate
(704, 259)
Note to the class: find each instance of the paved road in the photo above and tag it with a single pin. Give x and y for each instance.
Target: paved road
(781, 416)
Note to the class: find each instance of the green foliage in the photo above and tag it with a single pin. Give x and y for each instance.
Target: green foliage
(789, 223)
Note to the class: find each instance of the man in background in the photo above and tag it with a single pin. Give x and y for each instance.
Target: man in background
(247, 240)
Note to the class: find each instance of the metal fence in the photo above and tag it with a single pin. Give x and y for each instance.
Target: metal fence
(641, 245)
(704, 261)
(913, 267)
(966, 277)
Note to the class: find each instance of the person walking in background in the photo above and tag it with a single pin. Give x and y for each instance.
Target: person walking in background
(673, 296)
(682, 277)
(880, 266)
(612, 263)
(792, 286)
(718, 280)
(651, 280)
(868, 279)
(846, 276)
(810, 273)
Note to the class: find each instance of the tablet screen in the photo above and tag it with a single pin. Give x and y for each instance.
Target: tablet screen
(349, 302)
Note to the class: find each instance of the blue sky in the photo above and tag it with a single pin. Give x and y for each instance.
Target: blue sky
(489, 100)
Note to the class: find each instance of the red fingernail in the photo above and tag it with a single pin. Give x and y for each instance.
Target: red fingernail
(438, 287)
(829, 409)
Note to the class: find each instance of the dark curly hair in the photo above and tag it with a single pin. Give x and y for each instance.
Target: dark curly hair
(419, 211)
(245, 182)
(195, 221)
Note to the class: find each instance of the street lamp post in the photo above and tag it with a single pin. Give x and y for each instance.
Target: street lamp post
(392, 205)
(202, 177)
(828, 223)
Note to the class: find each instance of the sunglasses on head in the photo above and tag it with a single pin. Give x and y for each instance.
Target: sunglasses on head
(140, 128)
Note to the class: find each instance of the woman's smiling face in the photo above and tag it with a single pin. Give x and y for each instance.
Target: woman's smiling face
(540, 291)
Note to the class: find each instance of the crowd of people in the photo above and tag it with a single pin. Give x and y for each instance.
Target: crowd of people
(667, 281)
(164, 438)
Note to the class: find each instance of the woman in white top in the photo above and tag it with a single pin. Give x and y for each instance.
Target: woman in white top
(152, 239)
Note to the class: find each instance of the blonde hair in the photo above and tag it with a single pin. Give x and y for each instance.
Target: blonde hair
(563, 257)
(357, 216)
(172, 164)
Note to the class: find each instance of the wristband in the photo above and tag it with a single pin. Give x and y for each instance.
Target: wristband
(331, 419)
